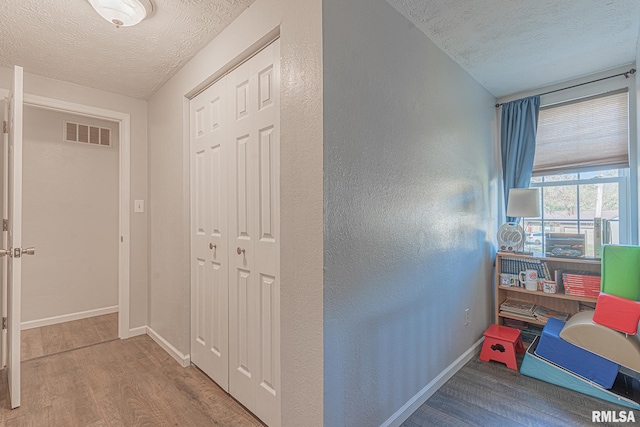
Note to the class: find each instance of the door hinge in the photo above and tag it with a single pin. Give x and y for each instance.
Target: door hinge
(4, 323)
(5, 225)
(4, 127)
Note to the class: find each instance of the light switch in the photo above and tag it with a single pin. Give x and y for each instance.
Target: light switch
(138, 206)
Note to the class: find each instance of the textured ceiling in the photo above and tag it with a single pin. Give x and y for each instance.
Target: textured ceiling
(507, 45)
(514, 45)
(67, 40)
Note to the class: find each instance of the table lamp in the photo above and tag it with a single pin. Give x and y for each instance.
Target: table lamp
(523, 203)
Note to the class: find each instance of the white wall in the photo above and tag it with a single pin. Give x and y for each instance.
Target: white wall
(42, 86)
(70, 214)
(299, 23)
(410, 195)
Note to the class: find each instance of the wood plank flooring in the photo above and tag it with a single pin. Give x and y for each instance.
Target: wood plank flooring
(129, 382)
(80, 374)
(46, 340)
(490, 394)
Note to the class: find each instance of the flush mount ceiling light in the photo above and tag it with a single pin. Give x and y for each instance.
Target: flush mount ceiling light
(122, 13)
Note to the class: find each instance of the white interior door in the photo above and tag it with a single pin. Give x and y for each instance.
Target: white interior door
(242, 282)
(266, 71)
(5, 214)
(254, 229)
(235, 233)
(14, 267)
(209, 240)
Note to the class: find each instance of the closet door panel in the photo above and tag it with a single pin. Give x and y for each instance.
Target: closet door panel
(266, 72)
(236, 232)
(243, 284)
(209, 239)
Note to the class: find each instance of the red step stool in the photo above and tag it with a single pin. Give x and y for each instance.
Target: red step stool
(501, 344)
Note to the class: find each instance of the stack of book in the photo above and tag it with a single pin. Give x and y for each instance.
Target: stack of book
(522, 309)
(581, 284)
(543, 314)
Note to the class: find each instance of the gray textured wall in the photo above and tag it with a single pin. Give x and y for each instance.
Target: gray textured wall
(410, 186)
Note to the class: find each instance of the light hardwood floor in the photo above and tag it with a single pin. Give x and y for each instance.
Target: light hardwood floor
(46, 340)
(129, 382)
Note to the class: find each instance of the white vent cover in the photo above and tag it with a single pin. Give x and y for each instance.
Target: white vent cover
(77, 132)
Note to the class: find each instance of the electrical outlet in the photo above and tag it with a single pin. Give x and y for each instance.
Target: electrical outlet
(467, 317)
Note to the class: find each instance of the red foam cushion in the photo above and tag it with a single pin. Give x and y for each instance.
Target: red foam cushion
(617, 313)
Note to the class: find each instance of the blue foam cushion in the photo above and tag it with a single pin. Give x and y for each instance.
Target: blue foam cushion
(536, 367)
(581, 362)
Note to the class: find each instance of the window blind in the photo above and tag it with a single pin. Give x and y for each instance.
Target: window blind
(585, 134)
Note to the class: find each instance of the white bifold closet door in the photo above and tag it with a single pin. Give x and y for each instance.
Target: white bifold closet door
(209, 239)
(236, 233)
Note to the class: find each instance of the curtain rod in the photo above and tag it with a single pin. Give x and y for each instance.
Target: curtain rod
(625, 74)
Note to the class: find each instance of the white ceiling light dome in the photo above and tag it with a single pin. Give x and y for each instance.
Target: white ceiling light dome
(123, 13)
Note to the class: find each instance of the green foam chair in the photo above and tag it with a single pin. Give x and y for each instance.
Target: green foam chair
(621, 271)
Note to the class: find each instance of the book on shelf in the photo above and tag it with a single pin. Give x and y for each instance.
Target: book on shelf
(581, 283)
(581, 278)
(514, 265)
(581, 292)
(521, 315)
(547, 272)
(543, 314)
(518, 308)
(558, 278)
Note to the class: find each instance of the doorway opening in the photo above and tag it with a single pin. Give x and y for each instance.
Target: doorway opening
(70, 215)
(123, 126)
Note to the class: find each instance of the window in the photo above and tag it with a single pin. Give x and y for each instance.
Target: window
(571, 201)
(582, 168)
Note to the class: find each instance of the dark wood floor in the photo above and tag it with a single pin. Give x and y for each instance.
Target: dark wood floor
(129, 382)
(490, 394)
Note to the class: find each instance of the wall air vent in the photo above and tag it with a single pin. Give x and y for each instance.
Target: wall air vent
(87, 134)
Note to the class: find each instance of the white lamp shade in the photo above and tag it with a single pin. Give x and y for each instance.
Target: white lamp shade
(123, 13)
(524, 203)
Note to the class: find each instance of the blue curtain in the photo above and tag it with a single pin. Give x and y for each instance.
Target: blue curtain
(518, 143)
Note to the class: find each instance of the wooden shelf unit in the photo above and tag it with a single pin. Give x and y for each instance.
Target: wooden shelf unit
(560, 302)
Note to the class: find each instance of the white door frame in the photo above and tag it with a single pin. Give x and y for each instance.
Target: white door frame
(124, 248)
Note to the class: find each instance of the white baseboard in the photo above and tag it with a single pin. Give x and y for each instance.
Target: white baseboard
(68, 317)
(183, 360)
(137, 331)
(414, 403)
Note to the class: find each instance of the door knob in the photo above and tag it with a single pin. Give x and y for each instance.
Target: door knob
(212, 246)
(240, 251)
(17, 252)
